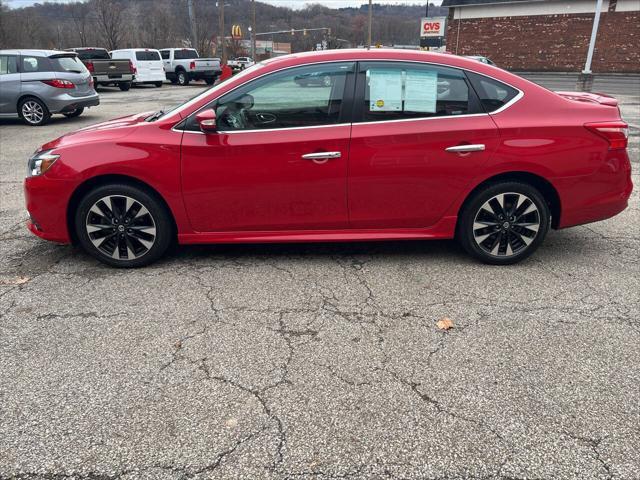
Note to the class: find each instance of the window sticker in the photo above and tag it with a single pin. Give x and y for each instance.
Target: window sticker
(421, 91)
(385, 90)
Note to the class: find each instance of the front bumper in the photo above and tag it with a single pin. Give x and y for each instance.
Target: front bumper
(66, 103)
(46, 201)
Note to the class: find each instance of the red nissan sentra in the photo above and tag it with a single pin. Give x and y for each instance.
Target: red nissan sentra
(338, 146)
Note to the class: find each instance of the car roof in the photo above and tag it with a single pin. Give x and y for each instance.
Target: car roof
(135, 50)
(37, 53)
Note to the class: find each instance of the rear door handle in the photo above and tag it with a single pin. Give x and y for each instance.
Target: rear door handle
(321, 155)
(479, 147)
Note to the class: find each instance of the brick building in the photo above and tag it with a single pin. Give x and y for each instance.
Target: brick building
(546, 35)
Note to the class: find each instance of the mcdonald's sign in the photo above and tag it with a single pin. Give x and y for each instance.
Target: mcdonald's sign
(236, 31)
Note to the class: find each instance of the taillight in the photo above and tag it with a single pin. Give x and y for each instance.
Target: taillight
(90, 67)
(58, 83)
(90, 82)
(192, 66)
(616, 133)
(132, 67)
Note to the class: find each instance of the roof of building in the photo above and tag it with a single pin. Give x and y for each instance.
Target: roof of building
(465, 3)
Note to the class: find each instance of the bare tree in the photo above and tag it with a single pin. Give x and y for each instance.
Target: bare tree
(81, 16)
(110, 20)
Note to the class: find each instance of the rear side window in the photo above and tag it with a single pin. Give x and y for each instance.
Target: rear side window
(185, 54)
(93, 54)
(67, 64)
(395, 91)
(492, 93)
(164, 54)
(8, 64)
(32, 64)
(147, 56)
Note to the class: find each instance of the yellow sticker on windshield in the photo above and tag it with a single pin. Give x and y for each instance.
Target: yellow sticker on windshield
(380, 103)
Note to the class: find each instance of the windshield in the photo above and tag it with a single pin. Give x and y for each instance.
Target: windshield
(67, 64)
(185, 54)
(93, 54)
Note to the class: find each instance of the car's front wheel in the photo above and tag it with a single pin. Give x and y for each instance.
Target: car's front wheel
(123, 225)
(503, 223)
(124, 86)
(34, 112)
(183, 78)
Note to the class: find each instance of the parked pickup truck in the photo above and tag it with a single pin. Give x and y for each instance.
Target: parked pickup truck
(104, 69)
(240, 63)
(184, 64)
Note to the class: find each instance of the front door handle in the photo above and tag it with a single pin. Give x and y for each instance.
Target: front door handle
(479, 147)
(321, 155)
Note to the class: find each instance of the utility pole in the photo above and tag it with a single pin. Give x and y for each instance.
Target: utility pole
(192, 21)
(370, 24)
(221, 27)
(253, 30)
(585, 80)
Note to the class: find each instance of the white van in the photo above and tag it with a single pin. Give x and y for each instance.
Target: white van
(147, 64)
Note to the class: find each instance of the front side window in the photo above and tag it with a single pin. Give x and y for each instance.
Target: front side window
(147, 55)
(296, 97)
(164, 54)
(492, 93)
(8, 64)
(395, 91)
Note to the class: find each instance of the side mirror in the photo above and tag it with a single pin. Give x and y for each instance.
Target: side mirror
(207, 120)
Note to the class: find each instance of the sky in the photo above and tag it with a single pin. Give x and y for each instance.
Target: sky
(287, 3)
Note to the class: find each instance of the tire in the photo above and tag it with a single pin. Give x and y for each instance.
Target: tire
(125, 86)
(158, 84)
(173, 80)
(131, 239)
(210, 81)
(33, 112)
(183, 78)
(75, 113)
(503, 223)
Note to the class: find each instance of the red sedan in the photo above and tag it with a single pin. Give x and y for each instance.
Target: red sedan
(390, 145)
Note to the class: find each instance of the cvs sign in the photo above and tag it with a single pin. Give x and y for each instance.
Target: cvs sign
(432, 27)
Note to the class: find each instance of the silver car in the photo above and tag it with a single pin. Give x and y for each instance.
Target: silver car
(34, 84)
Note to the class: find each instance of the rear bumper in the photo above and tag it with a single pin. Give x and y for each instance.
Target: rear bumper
(149, 77)
(111, 79)
(67, 103)
(598, 196)
(205, 74)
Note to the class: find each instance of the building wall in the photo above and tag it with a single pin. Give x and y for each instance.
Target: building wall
(556, 42)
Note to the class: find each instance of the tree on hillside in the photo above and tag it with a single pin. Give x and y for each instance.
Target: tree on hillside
(110, 22)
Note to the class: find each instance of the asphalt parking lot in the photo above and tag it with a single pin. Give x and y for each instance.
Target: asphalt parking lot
(316, 361)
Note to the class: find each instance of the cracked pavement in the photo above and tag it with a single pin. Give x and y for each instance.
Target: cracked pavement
(316, 361)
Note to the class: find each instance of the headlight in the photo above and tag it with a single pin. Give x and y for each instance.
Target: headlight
(40, 162)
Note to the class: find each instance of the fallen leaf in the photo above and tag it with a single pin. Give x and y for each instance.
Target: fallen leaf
(14, 281)
(444, 323)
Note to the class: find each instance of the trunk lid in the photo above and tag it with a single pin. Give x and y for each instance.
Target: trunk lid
(588, 97)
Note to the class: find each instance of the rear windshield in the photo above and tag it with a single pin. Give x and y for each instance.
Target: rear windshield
(67, 64)
(147, 55)
(185, 54)
(93, 54)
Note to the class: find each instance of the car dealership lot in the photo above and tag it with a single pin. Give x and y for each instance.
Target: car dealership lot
(317, 360)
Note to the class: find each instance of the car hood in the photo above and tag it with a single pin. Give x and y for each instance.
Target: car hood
(112, 130)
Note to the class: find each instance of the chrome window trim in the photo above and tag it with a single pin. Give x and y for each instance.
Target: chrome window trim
(256, 130)
(515, 99)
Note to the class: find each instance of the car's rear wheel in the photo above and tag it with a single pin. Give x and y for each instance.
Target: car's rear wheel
(210, 80)
(183, 78)
(74, 113)
(123, 225)
(125, 86)
(503, 223)
(158, 84)
(33, 112)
